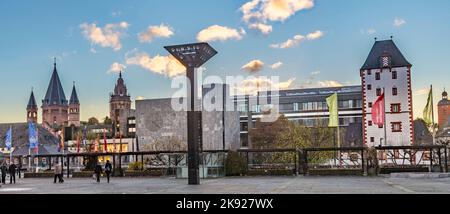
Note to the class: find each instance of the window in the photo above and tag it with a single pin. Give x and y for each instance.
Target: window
(372, 139)
(369, 87)
(377, 76)
(296, 107)
(394, 91)
(369, 72)
(370, 123)
(378, 92)
(396, 126)
(395, 108)
(394, 75)
(380, 126)
(370, 104)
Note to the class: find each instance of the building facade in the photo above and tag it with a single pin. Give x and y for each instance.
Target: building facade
(160, 127)
(55, 106)
(119, 100)
(387, 71)
(444, 111)
(307, 107)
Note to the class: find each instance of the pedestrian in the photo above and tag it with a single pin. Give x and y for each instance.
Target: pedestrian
(98, 172)
(4, 170)
(12, 173)
(19, 170)
(58, 174)
(108, 169)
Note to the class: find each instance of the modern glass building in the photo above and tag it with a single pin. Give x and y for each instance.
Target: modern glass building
(306, 107)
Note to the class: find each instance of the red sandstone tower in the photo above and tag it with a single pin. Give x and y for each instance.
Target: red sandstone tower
(444, 110)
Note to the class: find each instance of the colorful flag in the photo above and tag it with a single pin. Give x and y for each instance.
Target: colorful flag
(84, 136)
(33, 136)
(105, 143)
(61, 142)
(428, 111)
(8, 139)
(97, 142)
(332, 103)
(78, 143)
(378, 111)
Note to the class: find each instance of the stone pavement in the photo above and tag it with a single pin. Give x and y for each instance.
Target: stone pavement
(230, 185)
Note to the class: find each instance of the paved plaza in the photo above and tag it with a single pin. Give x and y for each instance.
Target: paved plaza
(238, 185)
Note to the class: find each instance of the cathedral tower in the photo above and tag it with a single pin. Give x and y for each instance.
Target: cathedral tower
(55, 105)
(32, 109)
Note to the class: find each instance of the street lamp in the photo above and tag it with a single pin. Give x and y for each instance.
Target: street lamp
(193, 56)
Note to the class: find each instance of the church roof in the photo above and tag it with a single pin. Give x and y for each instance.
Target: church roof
(74, 96)
(382, 48)
(55, 93)
(32, 101)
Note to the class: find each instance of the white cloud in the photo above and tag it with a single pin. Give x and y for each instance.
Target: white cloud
(108, 36)
(398, 22)
(276, 65)
(219, 33)
(329, 83)
(297, 39)
(255, 84)
(164, 65)
(253, 66)
(116, 68)
(315, 35)
(161, 31)
(263, 11)
(140, 98)
(421, 92)
(263, 28)
(289, 43)
(116, 13)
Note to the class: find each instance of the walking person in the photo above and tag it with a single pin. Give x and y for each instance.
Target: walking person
(4, 170)
(58, 174)
(98, 172)
(12, 173)
(108, 170)
(19, 170)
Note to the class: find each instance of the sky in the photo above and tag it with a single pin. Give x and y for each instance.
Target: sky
(307, 43)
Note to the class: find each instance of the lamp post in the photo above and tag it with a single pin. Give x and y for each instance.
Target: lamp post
(193, 56)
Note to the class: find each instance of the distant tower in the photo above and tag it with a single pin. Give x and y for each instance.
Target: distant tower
(32, 109)
(54, 105)
(444, 110)
(386, 68)
(119, 100)
(74, 108)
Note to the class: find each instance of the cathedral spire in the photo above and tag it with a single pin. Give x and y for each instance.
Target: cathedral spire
(74, 96)
(32, 101)
(55, 93)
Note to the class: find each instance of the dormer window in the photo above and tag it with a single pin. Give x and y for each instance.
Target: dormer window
(385, 61)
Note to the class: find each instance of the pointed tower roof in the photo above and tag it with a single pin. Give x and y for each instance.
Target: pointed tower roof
(385, 48)
(55, 93)
(32, 101)
(74, 96)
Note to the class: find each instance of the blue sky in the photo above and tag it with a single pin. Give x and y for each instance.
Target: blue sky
(33, 32)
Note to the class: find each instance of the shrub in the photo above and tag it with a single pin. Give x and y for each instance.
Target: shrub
(135, 166)
(235, 164)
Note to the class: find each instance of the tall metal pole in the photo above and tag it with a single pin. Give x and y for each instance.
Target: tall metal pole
(384, 109)
(193, 131)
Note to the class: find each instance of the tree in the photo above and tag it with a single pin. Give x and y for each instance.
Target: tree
(93, 121)
(107, 121)
(167, 144)
(264, 134)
